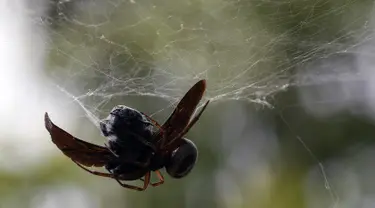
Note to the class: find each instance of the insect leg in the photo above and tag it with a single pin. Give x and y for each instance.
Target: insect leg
(108, 175)
(145, 184)
(161, 179)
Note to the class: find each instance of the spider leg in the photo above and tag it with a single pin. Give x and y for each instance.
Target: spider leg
(161, 179)
(145, 184)
(108, 175)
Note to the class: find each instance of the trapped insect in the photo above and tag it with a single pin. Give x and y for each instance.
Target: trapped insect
(137, 144)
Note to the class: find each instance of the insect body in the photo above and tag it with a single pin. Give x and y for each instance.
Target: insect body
(137, 144)
(130, 133)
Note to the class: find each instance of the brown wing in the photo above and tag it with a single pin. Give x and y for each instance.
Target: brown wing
(172, 145)
(179, 119)
(79, 151)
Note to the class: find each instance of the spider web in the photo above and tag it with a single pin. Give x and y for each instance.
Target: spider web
(99, 51)
(158, 49)
(143, 49)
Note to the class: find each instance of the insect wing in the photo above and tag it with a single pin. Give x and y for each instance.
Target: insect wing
(179, 119)
(79, 151)
(172, 145)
